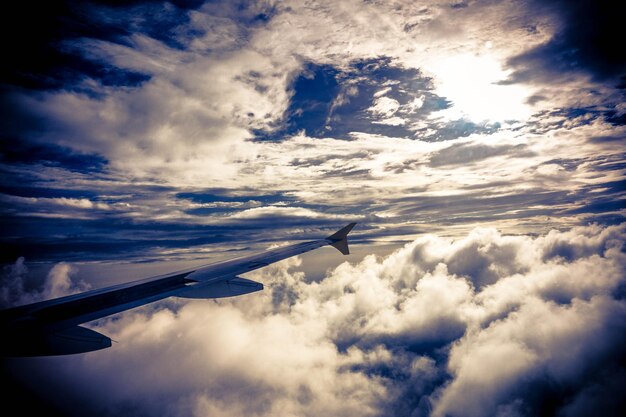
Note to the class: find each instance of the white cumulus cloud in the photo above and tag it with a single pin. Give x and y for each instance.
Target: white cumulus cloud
(468, 327)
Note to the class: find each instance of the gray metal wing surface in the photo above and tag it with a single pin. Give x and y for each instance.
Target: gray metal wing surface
(51, 327)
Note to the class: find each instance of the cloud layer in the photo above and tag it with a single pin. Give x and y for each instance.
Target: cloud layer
(488, 324)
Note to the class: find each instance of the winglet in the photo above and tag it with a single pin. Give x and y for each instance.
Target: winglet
(339, 239)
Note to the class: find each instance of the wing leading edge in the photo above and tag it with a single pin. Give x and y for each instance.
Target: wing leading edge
(52, 327)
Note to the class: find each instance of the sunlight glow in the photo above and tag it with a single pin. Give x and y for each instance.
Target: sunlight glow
(470, 82)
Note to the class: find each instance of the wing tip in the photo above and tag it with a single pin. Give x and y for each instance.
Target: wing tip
(339, 239)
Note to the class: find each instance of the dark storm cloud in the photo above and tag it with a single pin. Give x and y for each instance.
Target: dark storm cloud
(585, 41)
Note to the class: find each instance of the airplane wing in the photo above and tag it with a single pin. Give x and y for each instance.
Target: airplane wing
(52, 327)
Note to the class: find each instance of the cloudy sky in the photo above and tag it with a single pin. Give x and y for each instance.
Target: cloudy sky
(478, 144)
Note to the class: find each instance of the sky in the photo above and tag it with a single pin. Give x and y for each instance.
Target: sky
(478, 144)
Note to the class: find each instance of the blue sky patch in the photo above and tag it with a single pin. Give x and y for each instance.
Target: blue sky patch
(371, 96)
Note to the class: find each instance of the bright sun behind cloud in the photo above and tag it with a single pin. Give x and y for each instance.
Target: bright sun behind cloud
(471, 83)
